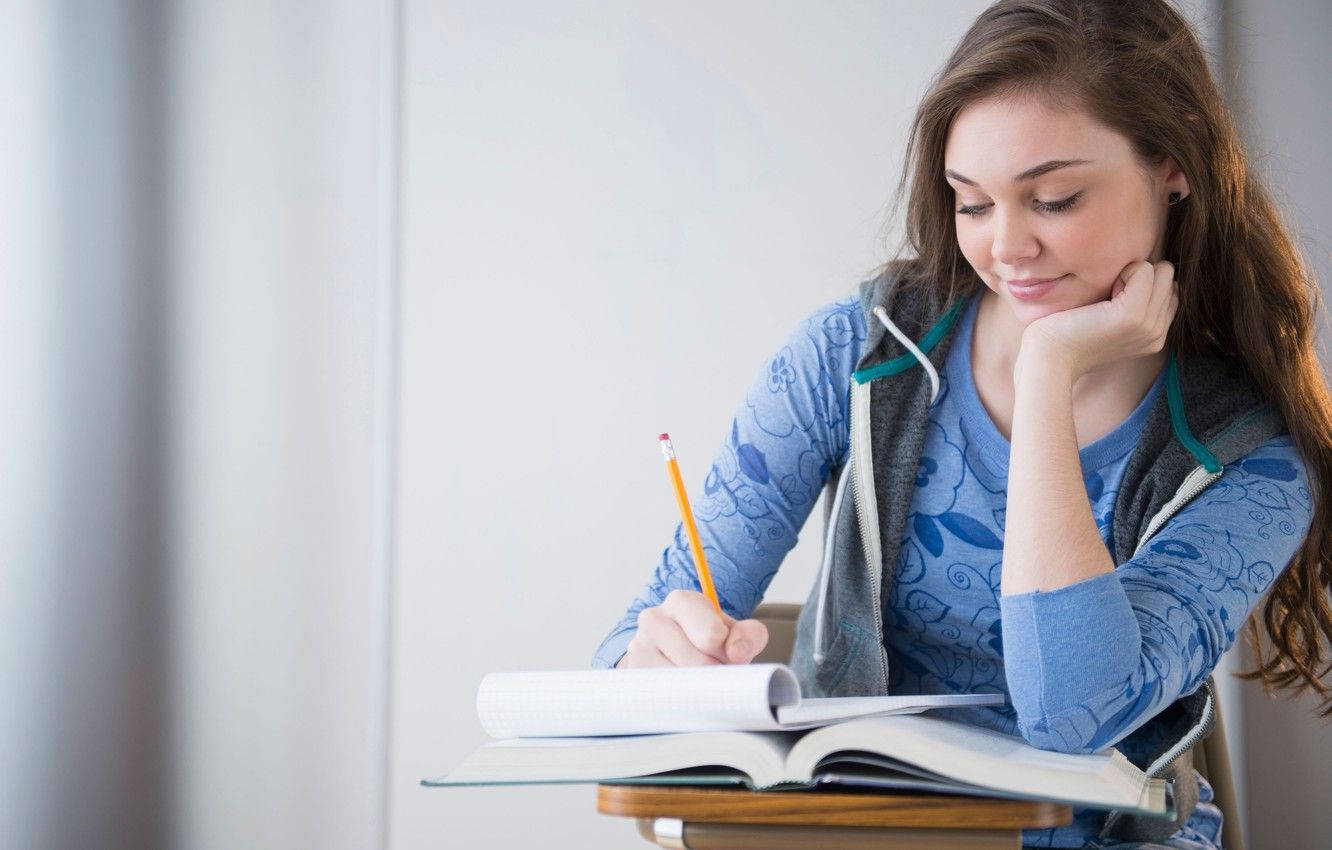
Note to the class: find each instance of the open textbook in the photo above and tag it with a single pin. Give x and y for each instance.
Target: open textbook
(747, 725)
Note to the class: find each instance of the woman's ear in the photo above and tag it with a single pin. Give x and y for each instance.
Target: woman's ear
(1175, 181)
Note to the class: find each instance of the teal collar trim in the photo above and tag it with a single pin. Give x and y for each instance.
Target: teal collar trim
(1181, 423)
(1178, 421)
(906, 361)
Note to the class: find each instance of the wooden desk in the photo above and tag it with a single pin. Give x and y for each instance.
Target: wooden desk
(731, 819)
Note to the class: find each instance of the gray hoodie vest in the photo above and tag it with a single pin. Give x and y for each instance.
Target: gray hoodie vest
(1210, 414)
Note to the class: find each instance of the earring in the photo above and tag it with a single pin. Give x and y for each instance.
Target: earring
(1174, 198)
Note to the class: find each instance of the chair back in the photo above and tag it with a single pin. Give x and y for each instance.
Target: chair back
(780, 619)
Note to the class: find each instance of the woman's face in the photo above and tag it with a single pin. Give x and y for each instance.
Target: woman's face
(1046, 193)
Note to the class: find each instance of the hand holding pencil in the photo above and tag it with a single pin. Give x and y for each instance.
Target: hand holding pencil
(690, 628)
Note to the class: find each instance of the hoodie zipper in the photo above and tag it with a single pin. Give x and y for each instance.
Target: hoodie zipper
(1194, 483)
(1196, 734)
(864, 499)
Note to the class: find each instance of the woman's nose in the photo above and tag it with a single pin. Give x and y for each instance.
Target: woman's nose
(1013, 241)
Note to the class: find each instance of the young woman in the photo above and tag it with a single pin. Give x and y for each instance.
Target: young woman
(1069, 444)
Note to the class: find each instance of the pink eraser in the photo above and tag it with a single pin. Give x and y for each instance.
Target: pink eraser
(664, 437)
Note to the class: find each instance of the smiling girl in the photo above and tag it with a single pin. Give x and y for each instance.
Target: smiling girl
(1070, 442)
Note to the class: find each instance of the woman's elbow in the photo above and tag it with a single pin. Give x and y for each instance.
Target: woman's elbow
(1057, 738)
(1088, 720)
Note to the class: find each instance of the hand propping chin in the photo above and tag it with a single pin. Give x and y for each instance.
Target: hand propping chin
(1133, 322)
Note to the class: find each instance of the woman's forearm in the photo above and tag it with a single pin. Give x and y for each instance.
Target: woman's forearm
(1050, 535)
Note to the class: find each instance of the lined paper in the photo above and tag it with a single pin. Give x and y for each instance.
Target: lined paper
(635, 701)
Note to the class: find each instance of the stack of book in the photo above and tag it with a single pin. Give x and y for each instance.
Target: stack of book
(747, 725)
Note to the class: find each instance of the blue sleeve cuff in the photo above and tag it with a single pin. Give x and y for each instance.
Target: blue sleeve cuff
(613, 648)
(1061, 646)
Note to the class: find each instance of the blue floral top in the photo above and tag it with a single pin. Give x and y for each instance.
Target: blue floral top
(1082, 666)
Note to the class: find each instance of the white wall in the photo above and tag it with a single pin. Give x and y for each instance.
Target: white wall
(79, 564)
(277, 593)
(612, 214)
(196, 258)
(28, 434)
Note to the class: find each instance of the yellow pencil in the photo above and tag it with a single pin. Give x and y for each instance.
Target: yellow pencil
(695, 545)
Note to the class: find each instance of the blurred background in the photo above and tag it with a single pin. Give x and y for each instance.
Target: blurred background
(334, 341)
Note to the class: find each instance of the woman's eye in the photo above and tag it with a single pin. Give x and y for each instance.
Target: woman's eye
(1044, 206)
(1058, 206)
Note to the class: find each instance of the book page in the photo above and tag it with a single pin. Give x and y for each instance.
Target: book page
(635, 701)
(984, 758)
(824, 710)
(759, 756)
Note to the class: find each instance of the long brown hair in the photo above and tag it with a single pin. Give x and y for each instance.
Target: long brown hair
(1245, 294)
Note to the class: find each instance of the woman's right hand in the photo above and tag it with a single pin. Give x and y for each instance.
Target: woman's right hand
(687, 631)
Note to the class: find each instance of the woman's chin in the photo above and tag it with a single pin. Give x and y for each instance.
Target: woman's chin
(1026, 312)
(1067, 294)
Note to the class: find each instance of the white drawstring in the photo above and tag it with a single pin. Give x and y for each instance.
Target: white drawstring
(825, 570)
(915, 352)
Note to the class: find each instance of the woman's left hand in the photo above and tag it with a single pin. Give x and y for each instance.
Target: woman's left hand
(1132, 323)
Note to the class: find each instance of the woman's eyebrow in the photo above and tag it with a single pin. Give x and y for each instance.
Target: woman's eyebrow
(1029, 174)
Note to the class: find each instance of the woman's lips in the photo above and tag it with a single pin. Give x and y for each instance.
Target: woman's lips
(1033, 288)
